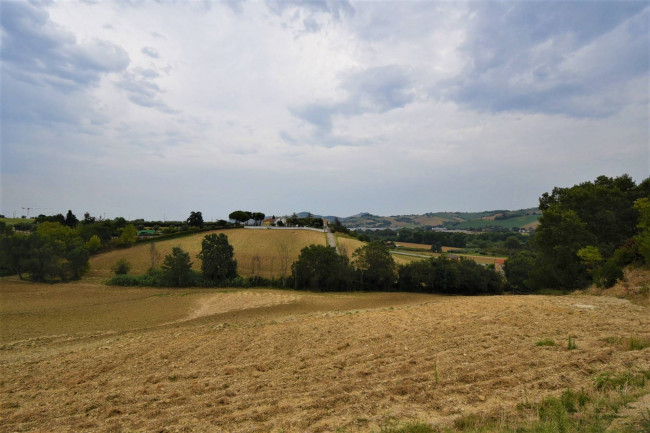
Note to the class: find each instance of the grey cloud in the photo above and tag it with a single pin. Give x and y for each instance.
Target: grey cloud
(536, 56)
(378, 89)
(142, 90)
(335, 8)
(310, 13)
(235, 6)
(374, 90)
(151, 52)
(35, 49)
(47, 72)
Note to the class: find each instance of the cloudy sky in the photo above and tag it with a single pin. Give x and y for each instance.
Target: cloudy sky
(151, 110)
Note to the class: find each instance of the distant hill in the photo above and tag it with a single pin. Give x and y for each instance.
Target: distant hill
(481, 221)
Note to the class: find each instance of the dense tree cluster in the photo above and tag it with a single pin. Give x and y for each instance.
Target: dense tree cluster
(308, 221)
(449, 276)
(321, 268)
(242, 216)
(55, 252)
(373, 269)
(587, 233)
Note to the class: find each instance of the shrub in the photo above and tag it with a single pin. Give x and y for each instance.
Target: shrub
(121, 267)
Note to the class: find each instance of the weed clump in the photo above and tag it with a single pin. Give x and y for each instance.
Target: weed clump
(545, 342)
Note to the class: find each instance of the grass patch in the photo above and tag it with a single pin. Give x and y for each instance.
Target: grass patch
(573, 411)
(637, 343)
(571, 344)
(545, 342)
(408, 427)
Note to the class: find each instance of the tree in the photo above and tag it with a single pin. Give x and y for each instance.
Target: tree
(217, 256)
(195, 219)
(376, 265)
(71, 220)
(240, 216)
(44, 258)
(128, 236)
(14, 253)
(560, 235)
(642, 206)
(77, 263)
(518, 268)
(177, 268)
(320, 268)
(88, 219)
(93, 244)
(512, 243)
(258, 217)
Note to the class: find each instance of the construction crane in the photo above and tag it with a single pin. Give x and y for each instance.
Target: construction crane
(30, 208)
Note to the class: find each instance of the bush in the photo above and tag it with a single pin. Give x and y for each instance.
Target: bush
(121, 267)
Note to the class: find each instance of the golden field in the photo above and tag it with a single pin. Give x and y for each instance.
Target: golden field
(86, 357)
(254, 249)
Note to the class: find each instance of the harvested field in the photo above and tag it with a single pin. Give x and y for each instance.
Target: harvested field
(254, 249)
(425, 247)
(348, 245)
(267, 360)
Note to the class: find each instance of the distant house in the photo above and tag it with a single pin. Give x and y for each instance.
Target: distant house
(268, 222)
(498, 264)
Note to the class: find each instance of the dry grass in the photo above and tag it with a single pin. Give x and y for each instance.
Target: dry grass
(264, 360)
(348, 245)
(635, 286)
(413, 245)
(402, 259)
(247, 244)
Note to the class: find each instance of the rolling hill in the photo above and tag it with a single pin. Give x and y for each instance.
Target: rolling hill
(477, 221)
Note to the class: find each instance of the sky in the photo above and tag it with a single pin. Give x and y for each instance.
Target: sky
(146, 109)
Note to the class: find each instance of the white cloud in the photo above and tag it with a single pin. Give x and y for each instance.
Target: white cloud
(326, 106)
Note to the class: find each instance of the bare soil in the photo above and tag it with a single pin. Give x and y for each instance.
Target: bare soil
(275, 360)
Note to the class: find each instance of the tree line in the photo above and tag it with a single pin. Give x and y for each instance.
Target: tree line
(320, 268)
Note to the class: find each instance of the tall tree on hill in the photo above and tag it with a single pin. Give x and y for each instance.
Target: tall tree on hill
(218, 258)
(258, 217)
(195, 219)
(71, 220)
(240, 216)
(177, 268)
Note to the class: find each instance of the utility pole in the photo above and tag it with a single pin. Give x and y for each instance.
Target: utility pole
(28, 209)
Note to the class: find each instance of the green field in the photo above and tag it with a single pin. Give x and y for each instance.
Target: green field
(506, 223)
(12, 221)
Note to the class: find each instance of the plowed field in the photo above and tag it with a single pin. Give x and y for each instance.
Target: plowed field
(268, 360)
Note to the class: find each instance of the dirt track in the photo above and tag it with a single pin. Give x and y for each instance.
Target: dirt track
(302, 362)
